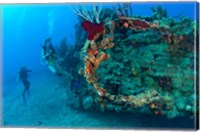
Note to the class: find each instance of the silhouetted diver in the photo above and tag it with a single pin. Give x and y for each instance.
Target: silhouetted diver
(23, 75)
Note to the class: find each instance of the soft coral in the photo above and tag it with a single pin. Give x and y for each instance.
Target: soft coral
(92, 28)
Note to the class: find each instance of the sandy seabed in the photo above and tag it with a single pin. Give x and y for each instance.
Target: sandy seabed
(47, 107)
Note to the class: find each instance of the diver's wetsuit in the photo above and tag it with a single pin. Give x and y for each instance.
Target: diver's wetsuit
(23, 75)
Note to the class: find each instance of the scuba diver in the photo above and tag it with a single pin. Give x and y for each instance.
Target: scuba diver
(48, 52)
(49, 55)
(23, 76)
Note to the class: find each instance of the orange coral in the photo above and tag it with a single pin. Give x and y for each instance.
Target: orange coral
(93, 52)
(88, 69)
(152, 105)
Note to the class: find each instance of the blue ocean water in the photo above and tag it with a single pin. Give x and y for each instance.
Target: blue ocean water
(26, 26)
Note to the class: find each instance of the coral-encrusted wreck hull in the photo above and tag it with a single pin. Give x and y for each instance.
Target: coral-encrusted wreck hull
(141, 66)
